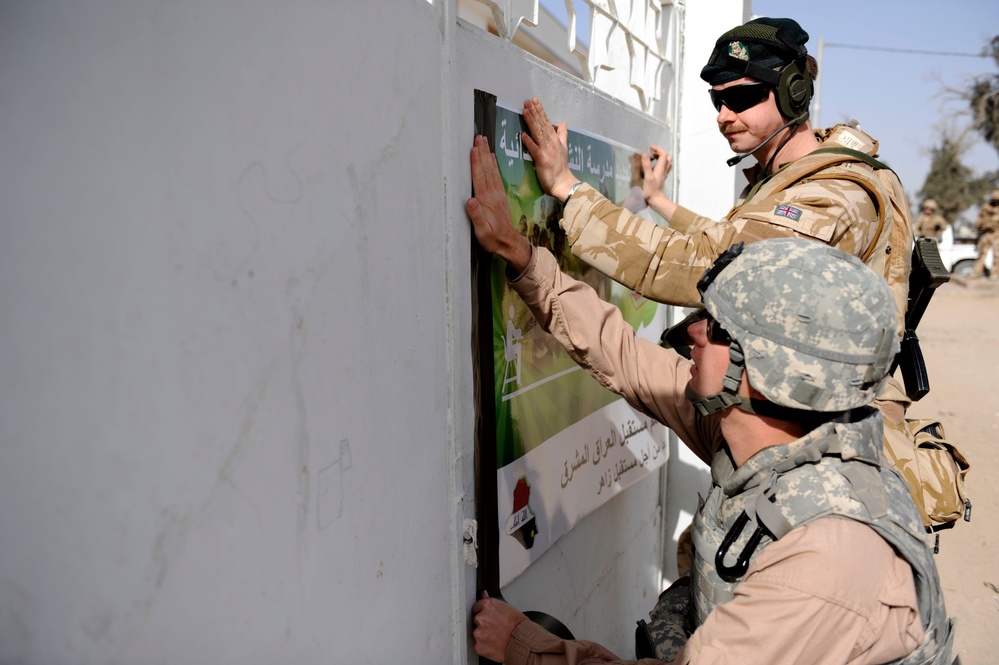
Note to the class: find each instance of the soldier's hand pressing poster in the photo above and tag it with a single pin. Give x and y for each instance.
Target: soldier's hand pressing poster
(552, 443)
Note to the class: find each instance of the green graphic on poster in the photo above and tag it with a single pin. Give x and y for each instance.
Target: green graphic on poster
(524, 424)
(563, 443)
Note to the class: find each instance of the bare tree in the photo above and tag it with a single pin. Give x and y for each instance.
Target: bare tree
(952, 184)
(983, 97)
(949, 182)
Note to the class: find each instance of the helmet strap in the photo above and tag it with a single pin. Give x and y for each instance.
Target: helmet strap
(804, 417)
(729, 394)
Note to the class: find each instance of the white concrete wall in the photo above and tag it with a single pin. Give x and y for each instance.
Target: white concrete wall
(225, 344)
(605, 574)
(235, 407)
(706, 185)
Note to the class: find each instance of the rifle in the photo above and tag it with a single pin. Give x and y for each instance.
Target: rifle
(928, 272)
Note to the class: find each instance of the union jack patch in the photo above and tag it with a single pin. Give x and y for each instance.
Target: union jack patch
(788, 211)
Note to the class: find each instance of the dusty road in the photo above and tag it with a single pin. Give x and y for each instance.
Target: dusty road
(960, 340)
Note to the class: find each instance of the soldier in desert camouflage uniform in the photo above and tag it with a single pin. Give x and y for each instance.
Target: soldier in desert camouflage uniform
(930, 223)
(794, 344)
(988, 236)
(761, 82)
(823, 185)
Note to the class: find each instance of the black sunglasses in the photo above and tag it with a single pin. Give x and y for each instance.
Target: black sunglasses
(738, 98)
(677, 337)
(716, 333)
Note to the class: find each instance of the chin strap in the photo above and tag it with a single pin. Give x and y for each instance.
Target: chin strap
(804, 417)
(729, 394)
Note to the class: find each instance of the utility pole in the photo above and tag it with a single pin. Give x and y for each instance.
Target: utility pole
(817, 97)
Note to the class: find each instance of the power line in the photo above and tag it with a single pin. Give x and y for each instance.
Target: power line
(861, 47)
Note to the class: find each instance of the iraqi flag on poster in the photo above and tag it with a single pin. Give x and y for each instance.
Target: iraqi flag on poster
(542, 494)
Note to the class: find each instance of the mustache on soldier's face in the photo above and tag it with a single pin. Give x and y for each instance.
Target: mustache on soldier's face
(732, 129)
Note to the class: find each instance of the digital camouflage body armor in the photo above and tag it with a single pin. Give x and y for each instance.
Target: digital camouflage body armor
(832, 472)
(813, 330)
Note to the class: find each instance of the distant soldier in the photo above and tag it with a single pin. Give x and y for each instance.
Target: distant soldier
(988, 236)
(930, 223)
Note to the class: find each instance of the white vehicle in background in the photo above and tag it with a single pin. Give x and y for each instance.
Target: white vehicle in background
(958, 254)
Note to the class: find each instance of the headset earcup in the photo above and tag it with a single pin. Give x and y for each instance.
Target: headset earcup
(794, 90)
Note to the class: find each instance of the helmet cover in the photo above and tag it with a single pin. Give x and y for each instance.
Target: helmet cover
(816, 326)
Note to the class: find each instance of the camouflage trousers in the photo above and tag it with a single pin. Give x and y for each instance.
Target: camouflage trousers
(988, 241)
(667, 632)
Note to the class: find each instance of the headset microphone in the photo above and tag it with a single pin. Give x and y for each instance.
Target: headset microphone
(732, 161)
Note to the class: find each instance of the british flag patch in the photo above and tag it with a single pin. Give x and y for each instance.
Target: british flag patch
(788, 211)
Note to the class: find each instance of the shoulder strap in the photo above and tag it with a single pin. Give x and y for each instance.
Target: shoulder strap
(848, 155)
(810, 167)
(876, 164)
(877, 195)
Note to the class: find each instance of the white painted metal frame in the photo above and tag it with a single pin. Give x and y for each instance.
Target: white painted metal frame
(632, 45)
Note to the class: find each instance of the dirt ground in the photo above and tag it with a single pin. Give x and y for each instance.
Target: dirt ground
(959, 335)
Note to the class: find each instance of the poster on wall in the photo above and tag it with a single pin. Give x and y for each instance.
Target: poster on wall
(552, 443)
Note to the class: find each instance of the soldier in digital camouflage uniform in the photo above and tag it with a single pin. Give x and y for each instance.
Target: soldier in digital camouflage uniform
(930, 223)
(761, 82)
(795, 343)
(988, 236)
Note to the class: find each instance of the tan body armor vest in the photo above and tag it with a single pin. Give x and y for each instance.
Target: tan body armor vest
(890, 251)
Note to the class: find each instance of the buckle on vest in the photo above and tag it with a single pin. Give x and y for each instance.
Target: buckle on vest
(734, 572)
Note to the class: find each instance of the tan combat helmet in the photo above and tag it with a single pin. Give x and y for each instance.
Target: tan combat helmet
(930, 204)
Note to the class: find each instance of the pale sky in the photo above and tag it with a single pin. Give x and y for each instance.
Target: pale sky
(896, 96)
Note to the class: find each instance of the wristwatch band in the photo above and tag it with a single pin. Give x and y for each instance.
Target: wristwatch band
(572, 190)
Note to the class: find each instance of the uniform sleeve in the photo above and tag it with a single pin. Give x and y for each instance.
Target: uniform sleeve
(685, 220)
(595, 335)
(832, 591)
(665, 264)
(533, 645)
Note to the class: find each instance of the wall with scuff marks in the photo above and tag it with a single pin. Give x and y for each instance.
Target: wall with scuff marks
(235, 406)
